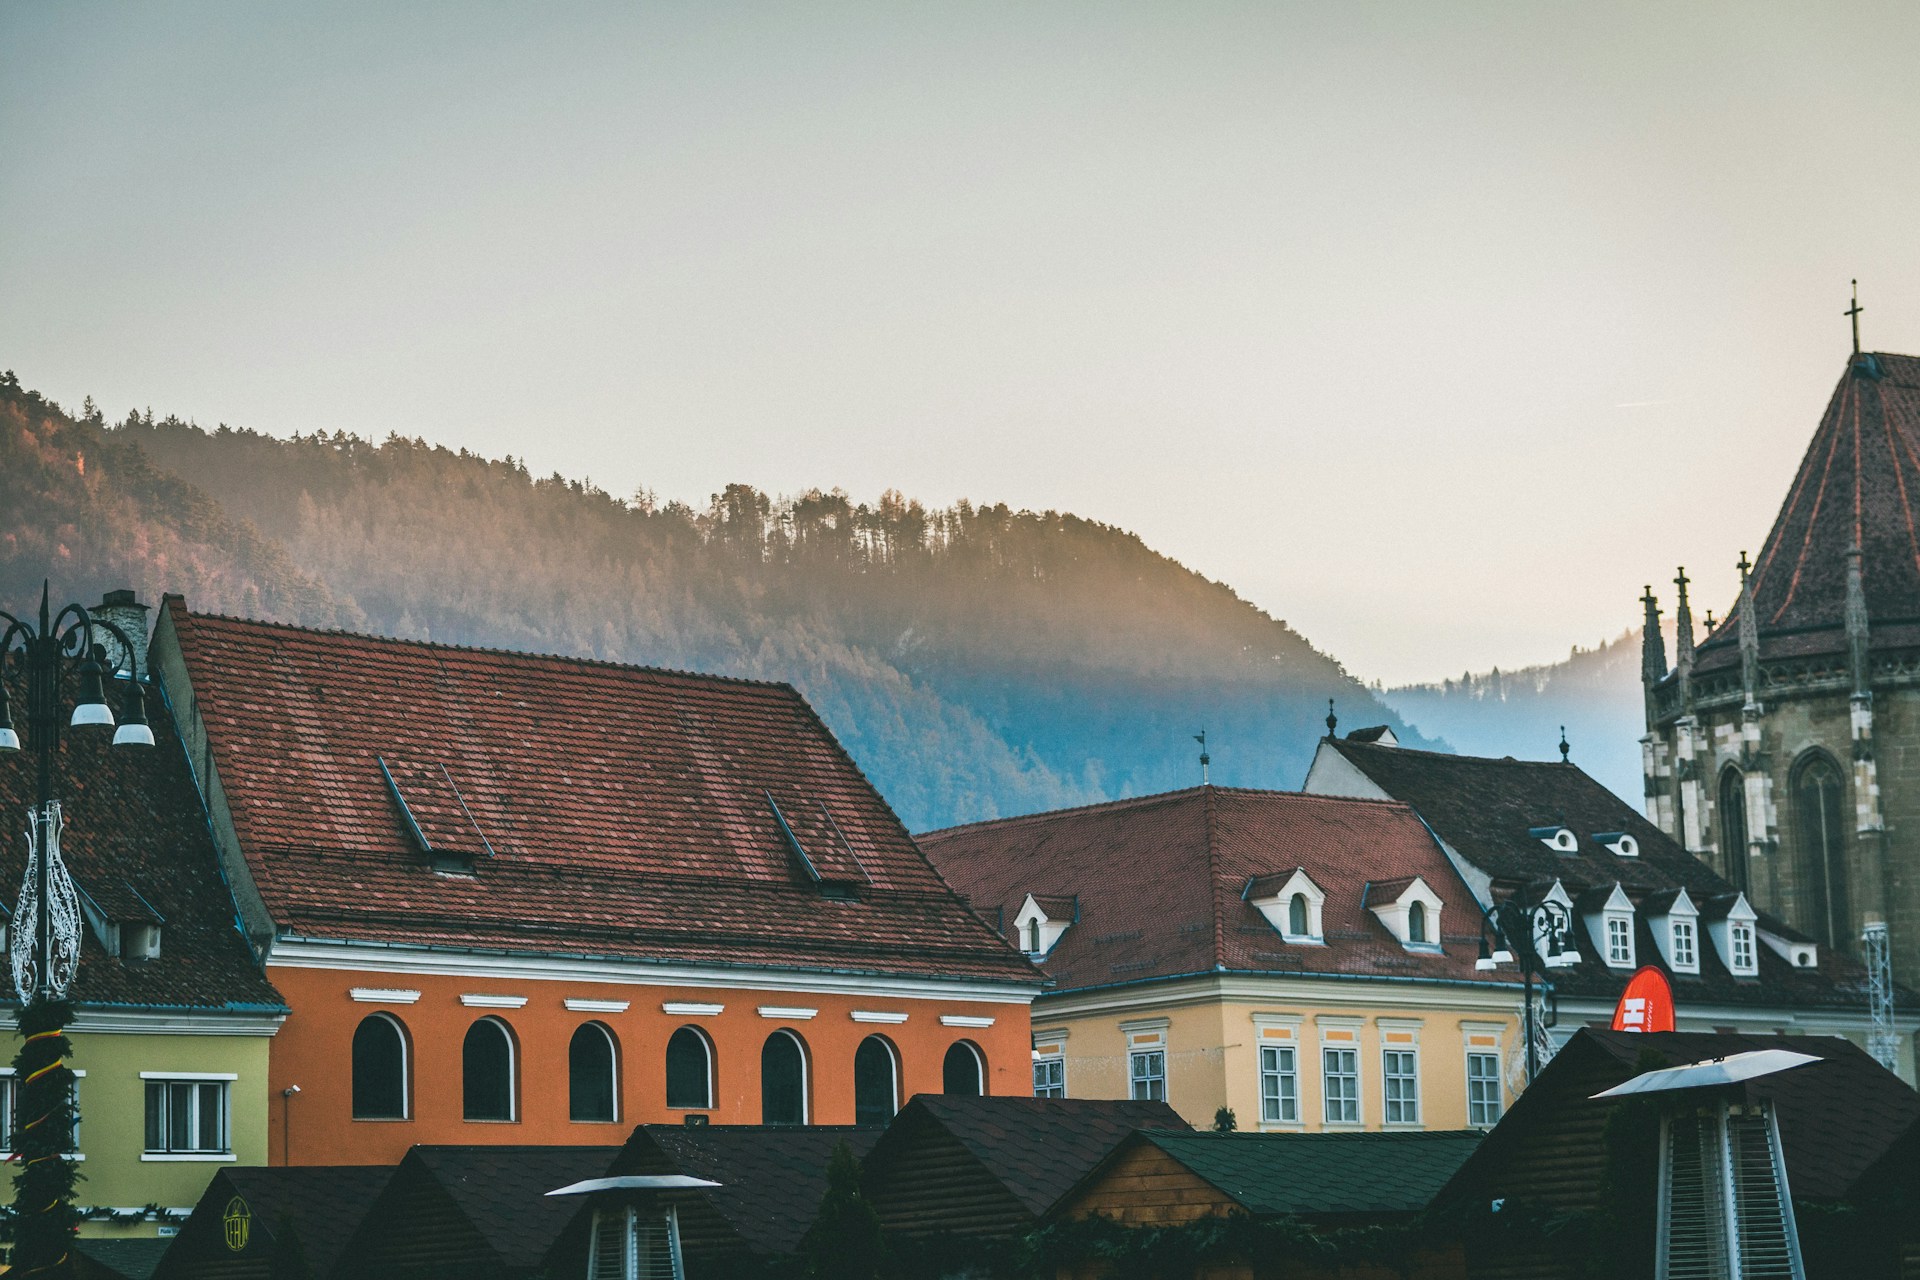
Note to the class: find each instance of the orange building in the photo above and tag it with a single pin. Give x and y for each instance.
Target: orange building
(524, 899)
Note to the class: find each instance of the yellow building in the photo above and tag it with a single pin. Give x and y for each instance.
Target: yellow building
(1306, 961)
(173, 1013)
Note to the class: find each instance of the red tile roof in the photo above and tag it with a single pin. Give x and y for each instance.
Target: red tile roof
(1859, 484)
(1161, 881)
(604, 809)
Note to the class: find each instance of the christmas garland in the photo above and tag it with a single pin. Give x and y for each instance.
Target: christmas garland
(46, 1223)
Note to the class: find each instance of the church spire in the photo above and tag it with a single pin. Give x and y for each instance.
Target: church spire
(1653, 645)
(1683, 639)
(1749, 638)
(1853, 313)
(1857, 623)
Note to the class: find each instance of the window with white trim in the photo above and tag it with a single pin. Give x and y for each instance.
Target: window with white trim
(1147, 1070)
(1279, 1085)
(1740, 937)
(1401, 1069)
(1050, 1077)
(1686, 953)
(1340, 1084)
(1483, 1090)
(1619, 940)
(188, 1117)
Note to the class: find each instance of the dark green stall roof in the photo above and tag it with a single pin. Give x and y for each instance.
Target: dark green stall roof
(1314, 1174)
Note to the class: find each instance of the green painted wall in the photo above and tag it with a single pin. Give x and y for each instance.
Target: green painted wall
(113, 1118)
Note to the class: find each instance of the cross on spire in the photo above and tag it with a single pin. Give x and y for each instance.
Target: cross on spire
(1853, 312)
(1205, 759)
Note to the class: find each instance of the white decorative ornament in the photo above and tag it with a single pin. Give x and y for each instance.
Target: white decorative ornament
(63, 912)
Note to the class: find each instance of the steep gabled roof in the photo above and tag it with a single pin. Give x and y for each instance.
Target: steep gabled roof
(1485, 810)
(323, 1203)
(1320, 1174)
(771, 1178)
(137, 843)
(1859, 484)
(1162, 883)
(588, 807)
(994, 1165)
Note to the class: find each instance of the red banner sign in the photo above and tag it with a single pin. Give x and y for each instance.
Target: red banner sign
(1646, 1004)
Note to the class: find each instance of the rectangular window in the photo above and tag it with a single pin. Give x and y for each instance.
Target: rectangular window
(1341, 1069)
(1279, 1085)
(1619, 940)
(1683, 953)
(1483, 1090)
(1148, 1069)
(187, 1116)
(1050, 1078)
(1742, 948)
(1401, 1068)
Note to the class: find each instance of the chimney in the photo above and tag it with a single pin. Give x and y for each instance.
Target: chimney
(124, 610)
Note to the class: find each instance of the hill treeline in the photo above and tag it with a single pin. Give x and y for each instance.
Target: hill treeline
(976, 660)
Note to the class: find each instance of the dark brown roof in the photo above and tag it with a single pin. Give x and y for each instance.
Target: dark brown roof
(605, 809)
(1859, 484)
(324, 1204)
(1484, 809)
(475, 1211)
(1163, 883)
(137, 843)
(771, 1179)
(1837, 1117)
(994, 1165)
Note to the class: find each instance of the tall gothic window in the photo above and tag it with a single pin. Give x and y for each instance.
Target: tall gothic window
(1819, 817)
(874, 1094)
(1733, 825)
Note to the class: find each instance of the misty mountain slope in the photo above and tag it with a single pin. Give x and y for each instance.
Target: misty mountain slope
(1595, 693)
(976, 661)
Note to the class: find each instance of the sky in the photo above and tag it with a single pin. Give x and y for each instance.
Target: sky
(1436, 330)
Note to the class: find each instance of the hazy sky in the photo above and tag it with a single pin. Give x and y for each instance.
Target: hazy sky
(1435, 329)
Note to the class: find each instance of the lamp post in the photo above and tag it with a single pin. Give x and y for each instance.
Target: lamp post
(70, 643)
(1537, 937)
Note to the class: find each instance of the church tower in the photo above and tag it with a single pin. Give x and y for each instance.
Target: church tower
(1784, 746)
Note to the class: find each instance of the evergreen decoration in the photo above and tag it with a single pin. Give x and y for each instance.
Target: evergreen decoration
(1224, 1120)
(45, 1220)
(845, 1241)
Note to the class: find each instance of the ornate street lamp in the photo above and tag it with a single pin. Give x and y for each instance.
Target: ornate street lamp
(1536, 936)
(71, 643)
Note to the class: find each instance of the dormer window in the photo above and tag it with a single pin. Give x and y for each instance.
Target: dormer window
(1291, 903)
(1609, 919)
(1732, 924)
(1621, 844)
(1560, 838)
(1042, 920)
(140, 941)
(1409, 909)
(1675, 923)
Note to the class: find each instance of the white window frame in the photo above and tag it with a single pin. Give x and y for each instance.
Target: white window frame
(505, 1030)
(9, 1098)
(406, 1068)
(1055, 1064)
(1498, 1103)
(1388, 1076)
(1684, 936)
(1742, 943)
(1284, 1074)
(225, 1080)
(1154, 1061)
(613, 1068)
(1328, 1076)
(706, 1044)
(1619, 940)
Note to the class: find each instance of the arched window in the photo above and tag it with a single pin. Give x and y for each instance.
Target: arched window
(1417, 922)
(1733, 825)
(1033, 935)
(593, 1074)
(875, 1094)
(1818, 813)
(379, 1068)
(783, 1080)
(689, 1070)
(963, 1074)
(486, 1061)
(1297, 915)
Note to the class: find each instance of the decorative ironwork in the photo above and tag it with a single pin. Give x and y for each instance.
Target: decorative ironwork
(60, 959)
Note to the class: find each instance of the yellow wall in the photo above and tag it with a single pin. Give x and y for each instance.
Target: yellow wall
(1213, 1028)
(112, 1100)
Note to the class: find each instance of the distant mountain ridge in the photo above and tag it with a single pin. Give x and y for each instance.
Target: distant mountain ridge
(976, 661)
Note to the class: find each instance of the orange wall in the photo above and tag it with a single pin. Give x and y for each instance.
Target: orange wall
(313, 1050)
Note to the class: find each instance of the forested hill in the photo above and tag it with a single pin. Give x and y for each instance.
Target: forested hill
(1595, 693)
(976, 661)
